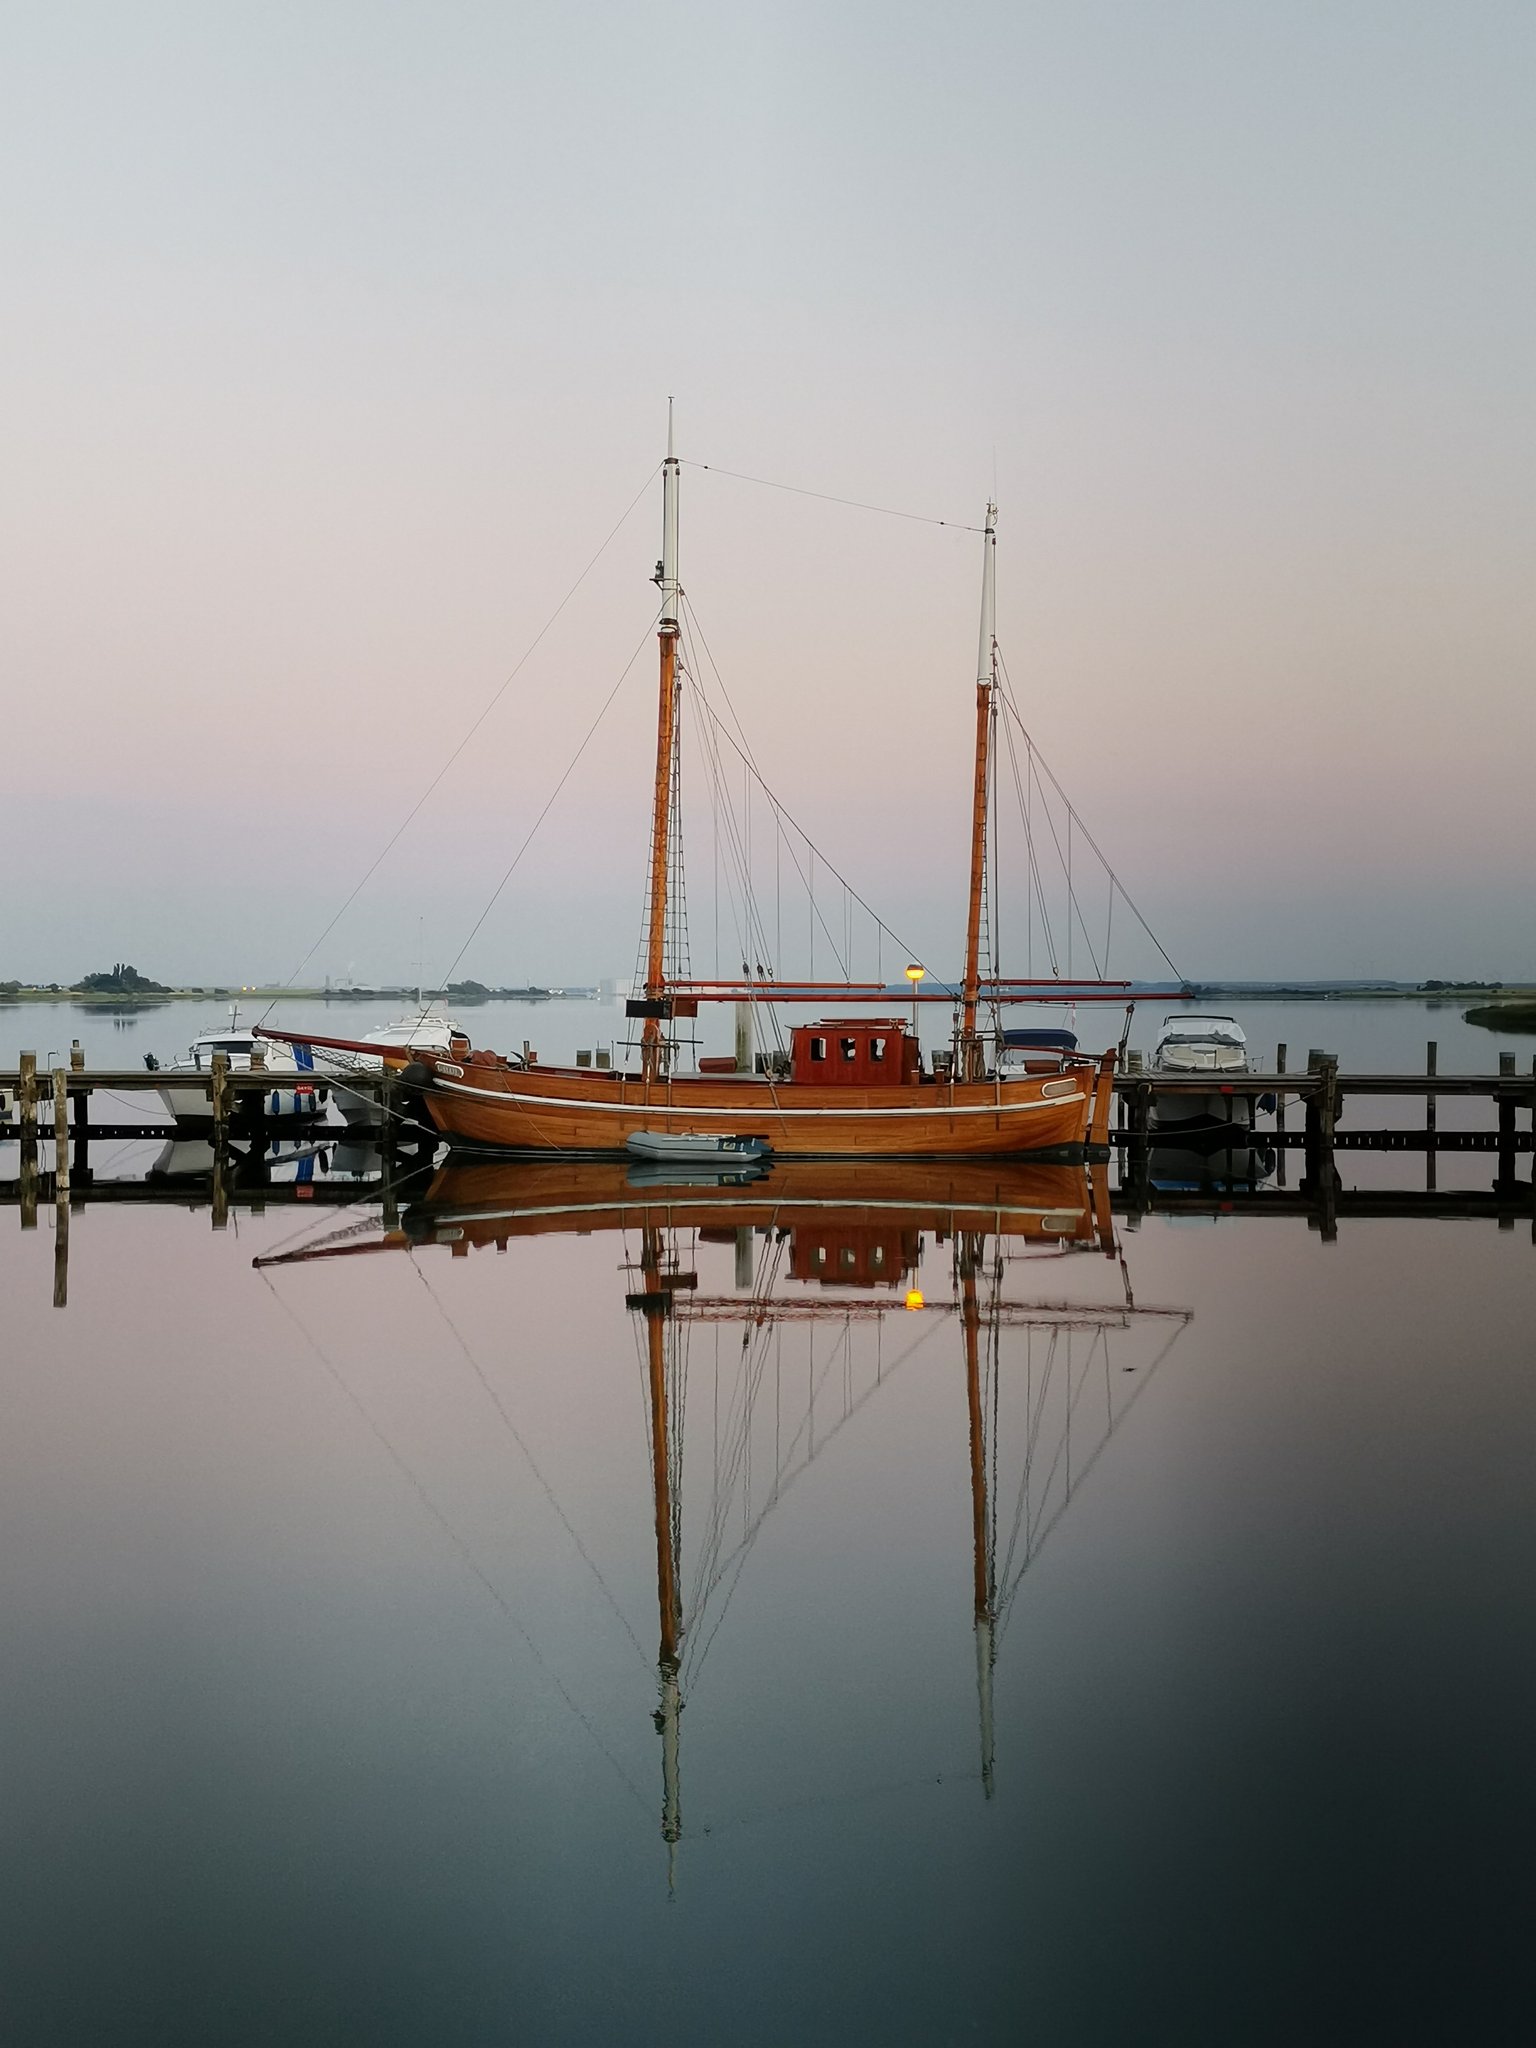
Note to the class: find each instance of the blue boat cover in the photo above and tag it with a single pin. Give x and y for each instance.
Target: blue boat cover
(1042, 1041)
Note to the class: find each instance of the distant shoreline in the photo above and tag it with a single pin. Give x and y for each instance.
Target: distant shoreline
(108, 999)
(1457, 993)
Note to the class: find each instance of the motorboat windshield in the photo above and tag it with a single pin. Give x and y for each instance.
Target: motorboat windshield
(1225, 1031)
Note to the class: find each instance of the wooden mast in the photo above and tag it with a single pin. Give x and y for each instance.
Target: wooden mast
(653, 1039)
(972, 1057)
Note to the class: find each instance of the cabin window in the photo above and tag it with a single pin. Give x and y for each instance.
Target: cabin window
(877, 1048)
(877, 1256)
(818, 1048)
(848, 1257)
(848, 1047)
(821, 1255)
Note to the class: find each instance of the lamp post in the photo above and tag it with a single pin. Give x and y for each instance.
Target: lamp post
(915, 975)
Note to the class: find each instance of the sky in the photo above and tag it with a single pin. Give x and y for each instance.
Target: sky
(336, 340)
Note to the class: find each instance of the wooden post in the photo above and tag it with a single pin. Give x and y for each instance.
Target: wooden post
(26, 1095)
(743, 1038)
(61, 1132)
(1280, 1052)
(82, 1114)
(1329, 1067)
(220, 1218)
(1431, 1068)
(1312, 1114)
(1506, 1100)
(219, 1090)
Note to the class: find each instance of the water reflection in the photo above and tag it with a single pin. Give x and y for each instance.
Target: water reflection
(1015, 1268)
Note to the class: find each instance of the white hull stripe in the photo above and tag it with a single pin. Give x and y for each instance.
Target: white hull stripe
(532, 1104)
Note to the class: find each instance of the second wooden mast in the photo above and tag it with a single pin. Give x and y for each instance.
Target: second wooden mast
(654, 1041)
(972, 1052)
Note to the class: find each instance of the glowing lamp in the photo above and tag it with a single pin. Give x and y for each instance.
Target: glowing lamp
(915, 975)
(914, 1297)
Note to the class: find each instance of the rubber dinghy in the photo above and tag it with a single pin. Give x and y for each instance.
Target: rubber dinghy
(696, 1148)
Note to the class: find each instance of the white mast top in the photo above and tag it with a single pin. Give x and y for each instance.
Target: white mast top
(988, 644)
(667, 573)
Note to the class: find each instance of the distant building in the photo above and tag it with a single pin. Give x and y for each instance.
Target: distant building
(616, 988)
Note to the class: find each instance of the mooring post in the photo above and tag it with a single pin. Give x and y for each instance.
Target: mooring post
(745, 1258)
(26, 1095)
(1506, 1099)
(61, 1132)
(1330, 1071)
(1280, 1052)
(219, 1092)
(744, 1036)
(1431, 1068)
(82, 1114)
(1312, 1117)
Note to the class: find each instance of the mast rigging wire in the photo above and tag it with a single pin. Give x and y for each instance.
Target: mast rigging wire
(506, 683)
(1011, 706)
(830, 498)
(549, 802)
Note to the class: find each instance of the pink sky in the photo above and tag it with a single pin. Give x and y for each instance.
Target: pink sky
(337, 345)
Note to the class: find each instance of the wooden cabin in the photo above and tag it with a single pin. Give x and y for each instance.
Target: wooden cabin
(854, 1052)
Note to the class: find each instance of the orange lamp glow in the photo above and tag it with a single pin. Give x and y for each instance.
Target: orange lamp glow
(914, 1297)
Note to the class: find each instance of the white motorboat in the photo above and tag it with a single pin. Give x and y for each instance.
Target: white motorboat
(696, 1148)
(421, 1031)
(295, 1091)
(1190, 1045)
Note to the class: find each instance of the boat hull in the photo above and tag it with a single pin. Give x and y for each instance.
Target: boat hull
(191, 1104)
(1171, 1112)
(493, 1106)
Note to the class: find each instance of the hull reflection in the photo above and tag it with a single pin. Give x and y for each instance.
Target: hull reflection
(824, 1254)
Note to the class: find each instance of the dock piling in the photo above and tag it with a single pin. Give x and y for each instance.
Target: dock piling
(26, 1095)
(220, 1091)
(61, 1132)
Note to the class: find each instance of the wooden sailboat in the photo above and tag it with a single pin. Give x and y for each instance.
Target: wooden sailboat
(853, 1088)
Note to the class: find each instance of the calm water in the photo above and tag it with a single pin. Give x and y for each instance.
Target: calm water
(1388, 1035)
(334, 1609)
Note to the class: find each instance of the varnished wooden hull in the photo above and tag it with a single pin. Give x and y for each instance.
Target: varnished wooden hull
(564, 1110)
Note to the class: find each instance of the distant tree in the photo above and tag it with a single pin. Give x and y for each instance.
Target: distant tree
(123, 980)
